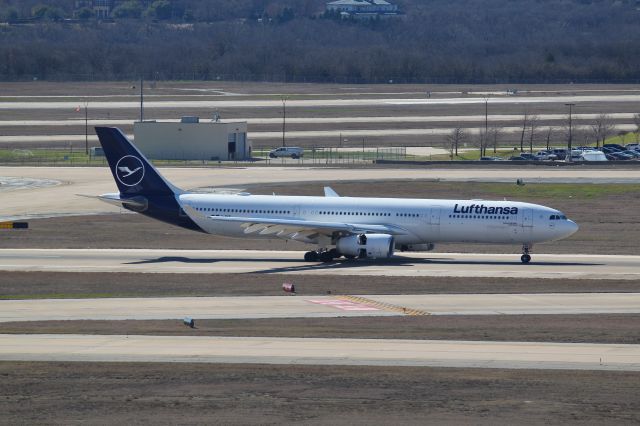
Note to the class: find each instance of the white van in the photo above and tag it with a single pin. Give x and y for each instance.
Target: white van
(287, 151)
(591, 155)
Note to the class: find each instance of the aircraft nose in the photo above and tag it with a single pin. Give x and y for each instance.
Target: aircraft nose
(570, 228)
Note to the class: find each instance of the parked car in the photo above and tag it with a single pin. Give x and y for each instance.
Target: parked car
(519, 158)
(545, 156)
(614, 146)
(491, 158)
(631, 152)
(527, 156)
(633, 146)
(590, 155)
(621, 156)
(287, 151)
(560, 153)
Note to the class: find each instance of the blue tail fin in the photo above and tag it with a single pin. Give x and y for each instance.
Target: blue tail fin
(132, 172)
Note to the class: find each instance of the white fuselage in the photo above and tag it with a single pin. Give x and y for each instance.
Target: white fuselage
(426, 221)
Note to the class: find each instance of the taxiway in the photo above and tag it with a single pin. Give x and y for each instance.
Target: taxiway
(574, 266)
(315, 351)
(62, 199)
(158, 308)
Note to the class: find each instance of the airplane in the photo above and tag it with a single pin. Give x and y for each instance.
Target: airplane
(350, 227)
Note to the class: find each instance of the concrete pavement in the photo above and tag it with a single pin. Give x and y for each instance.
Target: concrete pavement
(159, 308)
(575, 266)
(265, 350)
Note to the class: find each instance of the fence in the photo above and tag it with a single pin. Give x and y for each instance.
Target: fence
(312, 156)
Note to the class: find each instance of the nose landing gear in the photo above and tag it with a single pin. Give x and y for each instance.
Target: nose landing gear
(526, 257)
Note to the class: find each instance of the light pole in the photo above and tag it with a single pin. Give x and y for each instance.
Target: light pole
(86, 127)
(141, 100)
(486, 127)
(570, 132)
(284, 119)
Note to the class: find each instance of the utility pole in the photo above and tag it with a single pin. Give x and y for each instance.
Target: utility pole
(284, 119)
(483, 148)
(570, 132)
(86, 127)
(141, 100)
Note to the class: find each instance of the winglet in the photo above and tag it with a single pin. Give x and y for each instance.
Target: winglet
(328, 192)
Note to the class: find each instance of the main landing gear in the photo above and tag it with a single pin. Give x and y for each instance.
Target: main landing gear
(526, 257)
(324, 256)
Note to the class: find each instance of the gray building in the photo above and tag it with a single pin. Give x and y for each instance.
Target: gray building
(191, 139)
(363, 7)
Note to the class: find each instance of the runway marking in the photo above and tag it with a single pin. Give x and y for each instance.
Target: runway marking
(345, 305)
(384, 306)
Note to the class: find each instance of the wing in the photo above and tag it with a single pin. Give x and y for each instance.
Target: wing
(297, 229)
(329, 192)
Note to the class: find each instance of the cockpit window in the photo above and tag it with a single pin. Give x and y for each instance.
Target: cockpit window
(557, 217)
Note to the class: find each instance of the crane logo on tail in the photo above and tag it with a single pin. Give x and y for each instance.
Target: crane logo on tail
(129, 170)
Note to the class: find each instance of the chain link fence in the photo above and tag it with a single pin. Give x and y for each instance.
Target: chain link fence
(317, 156)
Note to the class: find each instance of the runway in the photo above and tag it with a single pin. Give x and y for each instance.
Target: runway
(373, 352)
(334, 133)
(245, 307)
(328, 120)
(307, 103)
(573, 266)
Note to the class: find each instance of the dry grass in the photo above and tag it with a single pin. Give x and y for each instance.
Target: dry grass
(131, 393)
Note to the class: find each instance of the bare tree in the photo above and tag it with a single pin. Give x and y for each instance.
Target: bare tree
(494, 135)
(482, 141)
(525, 120)
(454, 139)
(549, 131)
(601, 128)
(636, 121)
(533, 125)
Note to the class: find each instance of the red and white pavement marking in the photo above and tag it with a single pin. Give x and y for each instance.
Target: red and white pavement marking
(345, 305)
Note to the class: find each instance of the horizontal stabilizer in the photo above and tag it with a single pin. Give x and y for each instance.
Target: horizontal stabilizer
(137, 203)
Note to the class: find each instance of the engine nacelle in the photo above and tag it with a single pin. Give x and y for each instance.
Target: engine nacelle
(417, 247)
(366, 246)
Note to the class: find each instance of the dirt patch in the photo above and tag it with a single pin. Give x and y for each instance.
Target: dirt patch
(266, 394)
(18, 285)
(605, 328)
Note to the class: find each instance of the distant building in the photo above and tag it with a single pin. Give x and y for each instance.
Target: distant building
(101, 8)
(191, 139)
(362, 7)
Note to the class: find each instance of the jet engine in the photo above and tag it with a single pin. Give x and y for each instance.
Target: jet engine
(366, 246)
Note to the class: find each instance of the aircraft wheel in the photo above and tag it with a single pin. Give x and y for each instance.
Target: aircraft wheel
(311, 256)
(326, 256)
(525, 258)
(334, 253)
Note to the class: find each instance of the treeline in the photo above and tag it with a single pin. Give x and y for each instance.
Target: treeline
(438, 41)
(167, 10)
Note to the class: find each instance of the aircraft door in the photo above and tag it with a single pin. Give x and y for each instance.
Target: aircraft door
(527, 218)
(435, 215)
